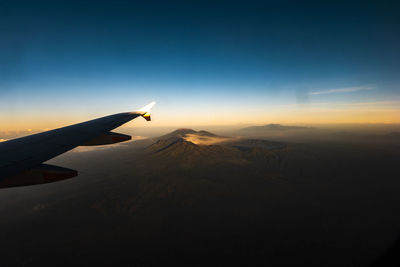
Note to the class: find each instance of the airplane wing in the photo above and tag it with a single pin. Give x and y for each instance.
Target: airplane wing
(21, 159)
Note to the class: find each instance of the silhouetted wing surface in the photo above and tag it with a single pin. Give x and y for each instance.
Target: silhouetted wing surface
(23, 154)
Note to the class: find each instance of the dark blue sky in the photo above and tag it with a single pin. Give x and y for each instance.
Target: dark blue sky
(242, 53)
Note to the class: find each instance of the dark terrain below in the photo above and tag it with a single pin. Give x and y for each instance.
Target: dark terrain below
(168, 200)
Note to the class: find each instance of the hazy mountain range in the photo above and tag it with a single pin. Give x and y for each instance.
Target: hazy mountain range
(273, 127)
(311, 134)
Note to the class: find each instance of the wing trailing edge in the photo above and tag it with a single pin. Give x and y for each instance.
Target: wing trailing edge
(42, 174)
(108, 138)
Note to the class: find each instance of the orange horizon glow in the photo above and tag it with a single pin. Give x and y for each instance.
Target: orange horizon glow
(330, 114)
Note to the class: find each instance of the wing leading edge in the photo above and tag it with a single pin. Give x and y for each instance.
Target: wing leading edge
(21, 159)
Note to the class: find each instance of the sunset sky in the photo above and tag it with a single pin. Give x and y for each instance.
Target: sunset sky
(203, 62)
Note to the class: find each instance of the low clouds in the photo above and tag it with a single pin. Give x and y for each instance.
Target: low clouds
(206, 140)
(342, 90)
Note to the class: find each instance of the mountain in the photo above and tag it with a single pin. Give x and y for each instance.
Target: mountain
(193, 148)
(205, 133)
(182, 149)
(178, 133)
(188, 141)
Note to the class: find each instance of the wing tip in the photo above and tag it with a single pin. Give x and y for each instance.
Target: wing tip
(148, 107)
(145, 111)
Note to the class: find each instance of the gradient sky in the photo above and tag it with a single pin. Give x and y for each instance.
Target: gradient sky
(204, 62)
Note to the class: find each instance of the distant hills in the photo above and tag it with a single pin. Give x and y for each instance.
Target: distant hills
(274, 127)
(311, 134)
(280, 132)
(393, 135)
